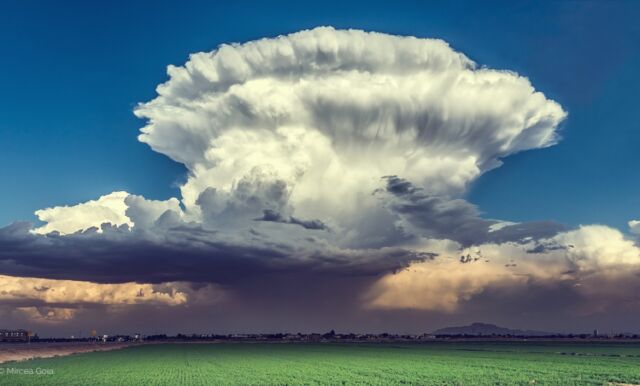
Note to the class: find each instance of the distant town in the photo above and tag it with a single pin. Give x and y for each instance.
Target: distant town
(476, 331)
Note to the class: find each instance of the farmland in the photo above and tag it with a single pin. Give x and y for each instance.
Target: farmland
(465, 363)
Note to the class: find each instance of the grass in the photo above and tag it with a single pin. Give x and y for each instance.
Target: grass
(503, 363)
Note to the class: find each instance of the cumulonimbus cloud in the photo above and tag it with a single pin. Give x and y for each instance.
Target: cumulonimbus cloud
(304, 127)
(326, 113)
(323, 151)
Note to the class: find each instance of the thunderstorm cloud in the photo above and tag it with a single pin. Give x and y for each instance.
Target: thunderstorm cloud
(325, 156)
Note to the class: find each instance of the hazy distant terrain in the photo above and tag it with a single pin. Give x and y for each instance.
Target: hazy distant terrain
(441, 363)
(488, 329)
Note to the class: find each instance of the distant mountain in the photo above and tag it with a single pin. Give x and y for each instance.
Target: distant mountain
(487, 329)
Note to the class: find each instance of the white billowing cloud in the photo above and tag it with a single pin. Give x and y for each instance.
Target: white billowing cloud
(21, 290)
(305, 125)
(595, 262)
(595, 247)
(109, 208)
(329, 112)
(634, 226)
(117, 208)
(143, 213)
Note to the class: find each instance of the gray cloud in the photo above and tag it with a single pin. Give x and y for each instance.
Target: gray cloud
(440, 217)
(270, 215)
(182, 252)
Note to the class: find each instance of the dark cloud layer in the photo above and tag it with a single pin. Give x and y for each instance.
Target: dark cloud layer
(270, 215)
(440, 217)
(186, 252)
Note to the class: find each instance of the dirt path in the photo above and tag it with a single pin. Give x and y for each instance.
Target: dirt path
(24, 351)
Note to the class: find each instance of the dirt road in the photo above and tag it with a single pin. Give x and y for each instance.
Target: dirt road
(24, 351)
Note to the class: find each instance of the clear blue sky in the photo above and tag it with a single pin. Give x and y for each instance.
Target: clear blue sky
(71, 73)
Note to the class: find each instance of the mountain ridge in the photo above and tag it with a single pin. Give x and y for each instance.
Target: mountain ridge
(479, 328)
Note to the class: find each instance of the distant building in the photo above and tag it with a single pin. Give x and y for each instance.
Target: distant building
(595, 332)
(14, 335)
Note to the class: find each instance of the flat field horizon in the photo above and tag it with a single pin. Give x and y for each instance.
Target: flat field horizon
(433, 363)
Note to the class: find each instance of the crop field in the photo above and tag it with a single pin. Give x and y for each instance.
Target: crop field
(457, 363)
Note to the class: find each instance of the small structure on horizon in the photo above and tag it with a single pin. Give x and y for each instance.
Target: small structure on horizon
(14, 335)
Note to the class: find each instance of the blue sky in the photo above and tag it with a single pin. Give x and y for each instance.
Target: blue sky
(71, 73)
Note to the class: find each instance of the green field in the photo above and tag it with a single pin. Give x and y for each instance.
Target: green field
(378, 364)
